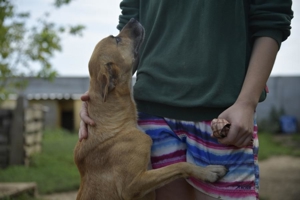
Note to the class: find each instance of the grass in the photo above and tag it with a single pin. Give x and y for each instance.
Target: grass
(53, 170)
(276, 145)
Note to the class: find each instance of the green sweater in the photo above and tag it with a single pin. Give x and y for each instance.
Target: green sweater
(196, 52)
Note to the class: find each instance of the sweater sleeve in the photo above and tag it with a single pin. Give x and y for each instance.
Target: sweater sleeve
(129, 9)
(271, 18)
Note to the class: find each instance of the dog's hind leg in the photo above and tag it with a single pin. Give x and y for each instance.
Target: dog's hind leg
(150, 180)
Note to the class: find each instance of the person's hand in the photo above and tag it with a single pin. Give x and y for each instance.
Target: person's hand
(85, 119)
(240, 134)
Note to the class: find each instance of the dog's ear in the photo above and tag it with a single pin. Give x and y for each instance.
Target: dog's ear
(108, 78)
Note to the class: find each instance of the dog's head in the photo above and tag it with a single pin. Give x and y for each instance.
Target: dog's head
(115, 58)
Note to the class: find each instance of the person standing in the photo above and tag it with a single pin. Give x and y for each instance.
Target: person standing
(202, 60)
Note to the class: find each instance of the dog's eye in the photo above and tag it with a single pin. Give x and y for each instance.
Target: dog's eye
(118, 40)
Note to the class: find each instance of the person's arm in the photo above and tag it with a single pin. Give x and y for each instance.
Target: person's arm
(130, 9)
(241, 113)
(260, 66)
(269, 25)
(270, 18)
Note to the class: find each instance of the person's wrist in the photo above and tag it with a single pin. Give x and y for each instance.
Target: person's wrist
(249, 103)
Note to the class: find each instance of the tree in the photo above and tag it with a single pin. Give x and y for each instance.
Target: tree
(21, 45)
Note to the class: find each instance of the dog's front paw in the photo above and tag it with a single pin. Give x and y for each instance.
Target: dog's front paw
(214, 172)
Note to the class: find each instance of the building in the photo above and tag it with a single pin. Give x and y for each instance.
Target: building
(61, 98)
(283, 99)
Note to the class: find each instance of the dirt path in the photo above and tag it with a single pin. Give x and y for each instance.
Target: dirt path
(280, 180)
(61, 196)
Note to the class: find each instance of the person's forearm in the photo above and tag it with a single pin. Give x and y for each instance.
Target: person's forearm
(260, 66)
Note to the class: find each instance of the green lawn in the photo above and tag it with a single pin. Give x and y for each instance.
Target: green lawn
(276, 144)
(54, 170)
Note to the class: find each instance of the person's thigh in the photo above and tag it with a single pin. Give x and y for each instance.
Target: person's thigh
(176, 190)
(180, 190)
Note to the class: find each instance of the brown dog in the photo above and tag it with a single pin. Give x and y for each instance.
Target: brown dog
(113, 161)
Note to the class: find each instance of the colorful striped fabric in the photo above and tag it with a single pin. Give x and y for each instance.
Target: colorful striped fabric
(183, 141)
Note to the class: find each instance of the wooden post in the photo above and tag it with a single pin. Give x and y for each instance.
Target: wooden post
(16, 133)
(5, 121)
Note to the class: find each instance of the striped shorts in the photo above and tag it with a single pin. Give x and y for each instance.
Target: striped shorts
(187, 141)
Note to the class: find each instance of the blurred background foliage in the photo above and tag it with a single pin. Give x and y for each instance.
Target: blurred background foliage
(23, 43)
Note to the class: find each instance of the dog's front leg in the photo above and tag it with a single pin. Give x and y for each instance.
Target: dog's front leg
(150, 180)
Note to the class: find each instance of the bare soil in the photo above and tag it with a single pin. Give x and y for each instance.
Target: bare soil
(280, 180)
(61, 196)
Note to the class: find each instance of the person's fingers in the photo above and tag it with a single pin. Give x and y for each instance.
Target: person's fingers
(231, 137)
(248, 141)
(85, 119)
(83, 133)
(84, 114)
(238, 137)
(85, 97)
(246, 137)
(241, 140)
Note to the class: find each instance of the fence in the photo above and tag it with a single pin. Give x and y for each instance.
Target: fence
(5, 121)
(21, 133)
